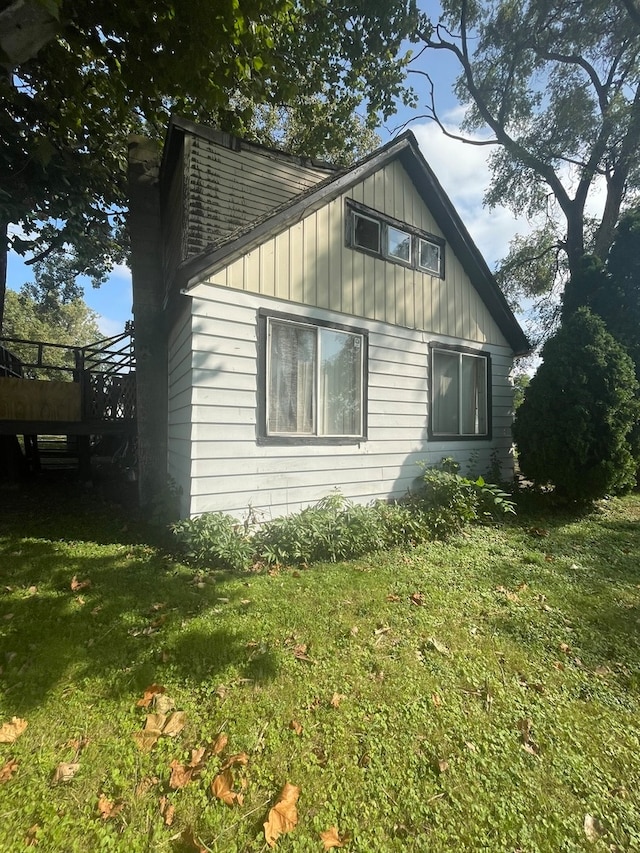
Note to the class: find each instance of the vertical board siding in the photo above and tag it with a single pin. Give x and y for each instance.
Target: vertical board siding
(226, 189)
(230, 471)
(179, 408)
(324, 272)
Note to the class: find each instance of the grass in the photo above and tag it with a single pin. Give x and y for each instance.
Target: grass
(477, 695)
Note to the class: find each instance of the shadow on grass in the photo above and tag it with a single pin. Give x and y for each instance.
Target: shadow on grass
(134, 614)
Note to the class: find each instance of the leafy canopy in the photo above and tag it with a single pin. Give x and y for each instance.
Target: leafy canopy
(554, 88)
(115, 68)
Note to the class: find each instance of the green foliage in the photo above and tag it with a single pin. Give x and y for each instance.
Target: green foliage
(573, 427)
(451, 501)
(214, 539)
(120, 68)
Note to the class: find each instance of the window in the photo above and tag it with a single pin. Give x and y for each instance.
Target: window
(429, 256)
(314, 381)
(459, 393)
(366, 233)
(375, 233)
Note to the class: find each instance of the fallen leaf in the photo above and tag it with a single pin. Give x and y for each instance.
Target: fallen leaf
(107, 809)
(65, 772)
(31, 838)
(10, 732)
(145, 785)
(437, 701)
(471, 746)
(167, 810)
(565, 648)
(331, 838)
(443, 765)
(174, 724)
(240, 758)
(593, 829)
(393, 597)
(222, 788)
(77, 585)
(438, 646)
(418, 599)
(525, 725)
(8, 770)
(219, 744)
(180, 775)
(150, 693)
(157, 726)
(190, 841)
(295, 725)
(283, 817)
(300, 652)
(336, 699)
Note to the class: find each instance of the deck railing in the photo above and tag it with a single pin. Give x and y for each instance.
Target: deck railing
(105, 370)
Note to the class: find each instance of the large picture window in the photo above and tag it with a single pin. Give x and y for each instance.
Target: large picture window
(459, 394)
(314, 381)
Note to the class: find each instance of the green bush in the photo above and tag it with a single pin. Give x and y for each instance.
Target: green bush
(215, 539)
(573, 428)
(451, 501)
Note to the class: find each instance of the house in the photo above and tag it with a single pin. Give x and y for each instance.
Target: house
(307, 328)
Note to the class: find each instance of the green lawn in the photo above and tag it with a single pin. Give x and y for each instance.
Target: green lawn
(482, 694)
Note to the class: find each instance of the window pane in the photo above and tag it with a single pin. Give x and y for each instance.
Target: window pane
(430, 256)
(366, 233)
(340, 383)
(290, 394)
(445, 392)
(474, 396)
(398, 244)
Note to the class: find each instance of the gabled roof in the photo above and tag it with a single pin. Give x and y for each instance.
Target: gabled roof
(405, 149)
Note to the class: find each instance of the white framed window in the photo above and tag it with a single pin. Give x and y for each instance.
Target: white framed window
(429, 256)
(314, 381)
(459, 394)
(398, 244)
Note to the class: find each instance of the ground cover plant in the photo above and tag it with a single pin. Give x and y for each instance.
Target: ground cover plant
(476, 694)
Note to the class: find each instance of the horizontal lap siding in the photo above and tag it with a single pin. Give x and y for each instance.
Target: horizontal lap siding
(179, 406)
(231, 472)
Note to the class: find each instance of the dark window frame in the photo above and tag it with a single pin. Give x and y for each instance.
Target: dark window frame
(263, 437)
(461, 350)
(355, 208)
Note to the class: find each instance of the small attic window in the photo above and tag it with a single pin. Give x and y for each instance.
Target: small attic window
(377, 234)
(366, 233)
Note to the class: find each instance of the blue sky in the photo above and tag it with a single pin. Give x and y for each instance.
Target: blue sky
(462, 170)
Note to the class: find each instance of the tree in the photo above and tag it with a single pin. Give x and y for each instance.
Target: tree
(557, 87)
(574, 426)
(117, 68)
(51, 310)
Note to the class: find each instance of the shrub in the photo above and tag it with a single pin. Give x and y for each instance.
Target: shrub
(215, 539)
(451, 501)
(572, 430)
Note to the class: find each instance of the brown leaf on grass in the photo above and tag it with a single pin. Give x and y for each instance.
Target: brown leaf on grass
(150, 693)
(239, 759)
(65, 772)
(222, 788)
(295, 725)
(10, 732)
(77, 585)
(418, 599)
(336, 699)
(180, 775)
(31, 838)
(300, 652)
(331, 838)
(593, 829)
(437, 701)
(443, 765)
(393, 597)
(145, 785)
(157, 726)
(219, 744)
(470, 746)
(107, 809)
(564, 647)
(167, 810)
(525, 726)
(8, 770)
(191, 842)
(283, 817)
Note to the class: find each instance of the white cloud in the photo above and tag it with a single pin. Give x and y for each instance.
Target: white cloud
(463, 171)
(109, 327)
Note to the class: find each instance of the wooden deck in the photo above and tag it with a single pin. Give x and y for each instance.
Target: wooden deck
(53, 390)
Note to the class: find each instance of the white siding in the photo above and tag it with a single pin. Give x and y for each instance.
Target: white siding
(179, 407)
(216, 428)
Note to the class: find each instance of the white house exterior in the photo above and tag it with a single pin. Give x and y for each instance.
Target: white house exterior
(327, 329)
